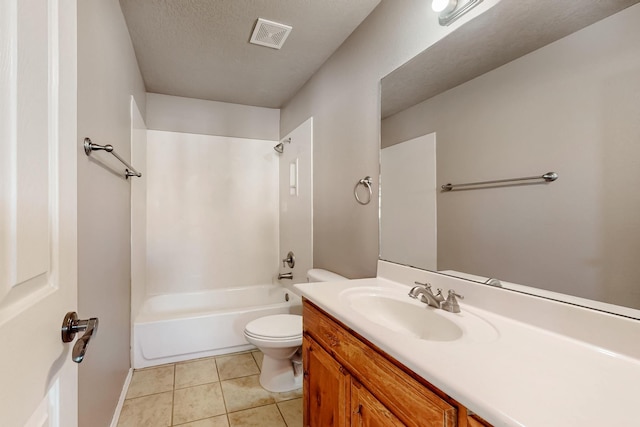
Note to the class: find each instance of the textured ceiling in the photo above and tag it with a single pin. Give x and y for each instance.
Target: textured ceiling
(510, 29)
(200, 48)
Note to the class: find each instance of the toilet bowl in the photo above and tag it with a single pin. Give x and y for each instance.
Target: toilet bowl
(279, 337)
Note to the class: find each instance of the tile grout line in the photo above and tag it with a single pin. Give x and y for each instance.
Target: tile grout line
(253, 407)
(173, 393)
(224, 400)
(282, 415)
(196, 385)
(150, 394)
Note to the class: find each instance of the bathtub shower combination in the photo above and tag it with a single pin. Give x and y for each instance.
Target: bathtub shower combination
(176, 327)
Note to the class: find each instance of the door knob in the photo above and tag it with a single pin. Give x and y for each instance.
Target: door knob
(71, 325)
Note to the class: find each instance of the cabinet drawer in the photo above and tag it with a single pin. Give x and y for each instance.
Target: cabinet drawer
(406, 398)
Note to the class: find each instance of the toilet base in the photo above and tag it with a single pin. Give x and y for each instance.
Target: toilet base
(278, 375)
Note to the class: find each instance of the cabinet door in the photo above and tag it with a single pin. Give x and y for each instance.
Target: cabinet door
(326, 388)
(475, 421)
(367, 411)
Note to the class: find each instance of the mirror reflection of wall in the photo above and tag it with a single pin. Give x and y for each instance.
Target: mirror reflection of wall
(572, 107)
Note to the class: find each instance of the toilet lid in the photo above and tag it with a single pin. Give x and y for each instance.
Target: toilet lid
(276, 326)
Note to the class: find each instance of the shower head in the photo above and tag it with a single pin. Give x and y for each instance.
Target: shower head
(280, 147)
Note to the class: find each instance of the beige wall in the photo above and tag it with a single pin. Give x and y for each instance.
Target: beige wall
(343, 98)
(188, 115)
(107, 76)
(571, 107)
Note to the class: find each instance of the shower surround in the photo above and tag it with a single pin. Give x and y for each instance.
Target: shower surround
(212, 212)
(212, 217)
(212, 234)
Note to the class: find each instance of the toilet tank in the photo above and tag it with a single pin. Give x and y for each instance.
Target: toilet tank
(320, 275)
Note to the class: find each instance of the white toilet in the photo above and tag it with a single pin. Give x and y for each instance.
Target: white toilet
(279, 337)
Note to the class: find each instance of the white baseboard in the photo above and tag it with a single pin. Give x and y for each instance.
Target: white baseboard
(123, 394)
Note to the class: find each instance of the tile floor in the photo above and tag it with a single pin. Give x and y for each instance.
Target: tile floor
(221, 391)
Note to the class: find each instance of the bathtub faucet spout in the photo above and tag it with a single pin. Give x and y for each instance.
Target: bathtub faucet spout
(285, 276)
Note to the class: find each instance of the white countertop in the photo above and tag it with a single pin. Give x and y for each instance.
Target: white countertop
(525, 376)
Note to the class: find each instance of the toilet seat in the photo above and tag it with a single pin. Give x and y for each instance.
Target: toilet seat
(277, 339)
(277, 327)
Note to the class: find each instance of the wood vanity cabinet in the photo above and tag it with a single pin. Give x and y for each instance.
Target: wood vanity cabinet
(350, 382)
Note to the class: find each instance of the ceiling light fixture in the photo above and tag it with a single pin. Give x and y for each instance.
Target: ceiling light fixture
(449, 11)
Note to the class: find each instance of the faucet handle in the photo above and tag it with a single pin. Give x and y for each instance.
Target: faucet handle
(452, 295)
(290, 260)
(426, 285)
(451, 304)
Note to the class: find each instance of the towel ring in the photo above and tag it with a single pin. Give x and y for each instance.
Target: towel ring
(366, 181)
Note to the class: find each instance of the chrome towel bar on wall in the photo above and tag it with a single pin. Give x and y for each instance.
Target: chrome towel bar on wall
(547, 177)
(90, 146)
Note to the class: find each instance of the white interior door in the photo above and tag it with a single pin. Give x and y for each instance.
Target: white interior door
(38, 146)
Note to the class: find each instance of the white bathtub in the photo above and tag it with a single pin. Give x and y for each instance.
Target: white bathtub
(175, 327)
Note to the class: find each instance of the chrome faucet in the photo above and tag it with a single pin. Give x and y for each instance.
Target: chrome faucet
(423, 290)
(285, 276)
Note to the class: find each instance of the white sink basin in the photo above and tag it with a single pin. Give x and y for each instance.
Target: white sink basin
(394, 310)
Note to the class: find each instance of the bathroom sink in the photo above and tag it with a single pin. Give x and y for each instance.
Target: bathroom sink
(394, 310)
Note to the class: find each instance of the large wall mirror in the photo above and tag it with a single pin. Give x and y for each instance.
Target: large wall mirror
(526, 88)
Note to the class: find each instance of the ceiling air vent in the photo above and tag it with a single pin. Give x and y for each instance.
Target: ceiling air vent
(270, 34)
